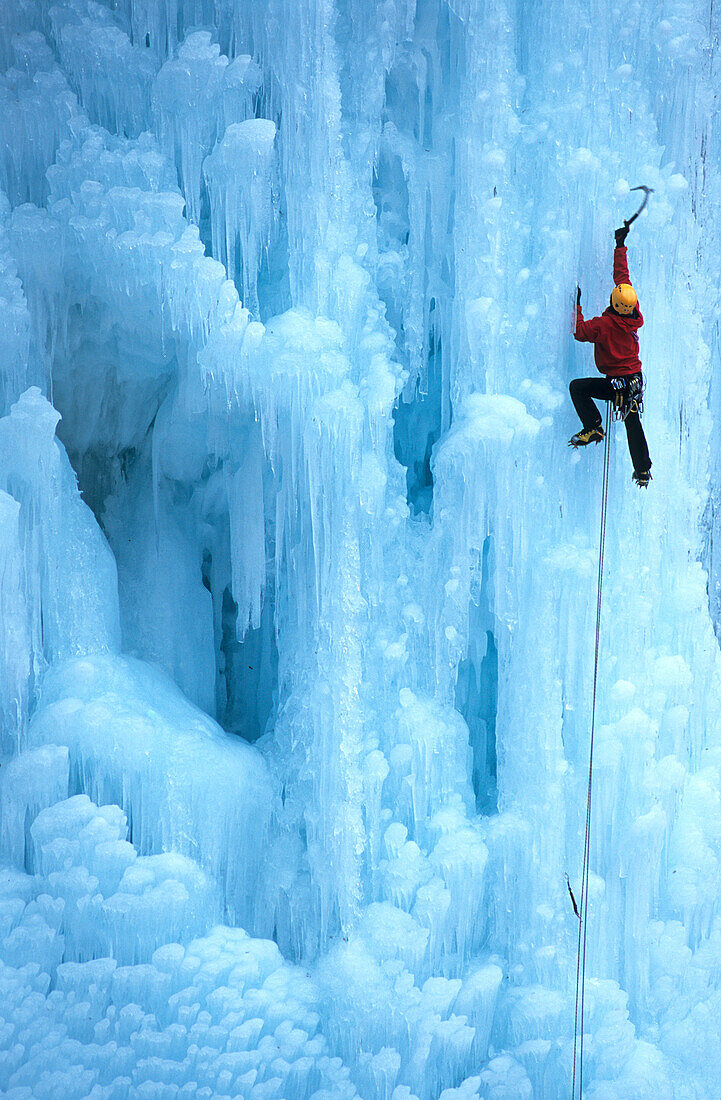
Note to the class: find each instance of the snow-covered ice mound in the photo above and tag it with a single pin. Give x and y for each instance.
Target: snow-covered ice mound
(185, 784)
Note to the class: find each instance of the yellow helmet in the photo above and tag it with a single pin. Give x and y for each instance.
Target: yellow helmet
(624, 299)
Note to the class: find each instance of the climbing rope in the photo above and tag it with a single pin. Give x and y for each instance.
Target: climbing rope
(583, 915)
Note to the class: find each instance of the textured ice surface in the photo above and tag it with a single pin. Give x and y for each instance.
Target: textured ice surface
(239, 181)
(59, 575)
(186, 785)
(297, 577)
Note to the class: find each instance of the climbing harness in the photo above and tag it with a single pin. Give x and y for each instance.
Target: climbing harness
(583, 915)
(627, 395)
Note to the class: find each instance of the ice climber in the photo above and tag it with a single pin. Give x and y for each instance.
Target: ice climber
(615, 338)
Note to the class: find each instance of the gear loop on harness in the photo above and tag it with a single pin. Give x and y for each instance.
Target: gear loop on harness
(583, 914)
(627, 395)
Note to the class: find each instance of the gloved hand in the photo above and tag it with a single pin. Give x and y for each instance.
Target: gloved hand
(578, 295)
(619, 392)
(621, 235)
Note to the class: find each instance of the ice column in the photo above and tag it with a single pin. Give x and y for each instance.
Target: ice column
(295, 39)
(242, 82)
(70, 570)
(239, 177)
(488, 261)
(247, 536)
(158, 25)
(14, 322)
(187, 101)
(113, 79)
(34, 114)
(15, 20)
(15, 647)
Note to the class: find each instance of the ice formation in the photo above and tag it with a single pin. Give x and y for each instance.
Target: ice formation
(297, 577)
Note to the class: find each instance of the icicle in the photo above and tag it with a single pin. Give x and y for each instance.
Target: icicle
(187, 101)
(247, 537)
(239, 177)
(112, 77)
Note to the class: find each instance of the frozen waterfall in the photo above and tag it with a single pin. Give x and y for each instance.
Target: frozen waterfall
(298, 575)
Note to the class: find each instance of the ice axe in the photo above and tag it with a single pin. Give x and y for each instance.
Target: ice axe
(649, 191)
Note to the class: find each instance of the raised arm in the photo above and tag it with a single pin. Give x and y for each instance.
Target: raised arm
(620, 260)
(620, 266)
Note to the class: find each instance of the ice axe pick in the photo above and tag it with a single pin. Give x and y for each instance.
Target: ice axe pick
(648, 191)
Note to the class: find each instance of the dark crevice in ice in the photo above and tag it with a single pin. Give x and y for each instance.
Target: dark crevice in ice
(477, 690)
(416, 429)
(247, 673)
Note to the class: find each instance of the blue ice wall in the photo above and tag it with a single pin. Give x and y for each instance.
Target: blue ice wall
(298, 575)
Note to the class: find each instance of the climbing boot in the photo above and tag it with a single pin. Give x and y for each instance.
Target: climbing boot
(642, 478)
(588, 435)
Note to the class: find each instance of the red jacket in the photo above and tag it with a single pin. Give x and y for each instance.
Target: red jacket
(614, 336)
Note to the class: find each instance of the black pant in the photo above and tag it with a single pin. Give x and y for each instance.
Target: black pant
(583, 390)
